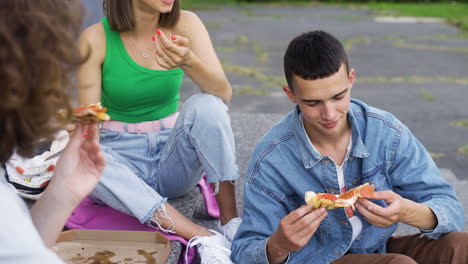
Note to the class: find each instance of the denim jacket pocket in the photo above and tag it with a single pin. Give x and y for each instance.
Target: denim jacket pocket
(106, 135)
(377, 178)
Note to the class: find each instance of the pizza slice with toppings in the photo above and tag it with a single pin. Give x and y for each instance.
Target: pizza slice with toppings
(331, 201)
(90, 113)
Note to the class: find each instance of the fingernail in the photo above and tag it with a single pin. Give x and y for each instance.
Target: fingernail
(153, 38)
(173, 37)
(158, 32)
(84, 136)
(87, 131)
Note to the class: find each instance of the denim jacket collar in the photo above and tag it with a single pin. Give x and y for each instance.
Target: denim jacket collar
(310, 157)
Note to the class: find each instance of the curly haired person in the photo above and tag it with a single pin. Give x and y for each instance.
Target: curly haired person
(38, 56)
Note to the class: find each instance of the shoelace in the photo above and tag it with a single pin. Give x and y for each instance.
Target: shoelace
(190, 244)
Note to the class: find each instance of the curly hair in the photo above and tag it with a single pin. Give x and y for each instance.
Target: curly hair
(38, 55)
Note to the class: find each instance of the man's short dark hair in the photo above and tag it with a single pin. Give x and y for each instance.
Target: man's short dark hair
(314, 55)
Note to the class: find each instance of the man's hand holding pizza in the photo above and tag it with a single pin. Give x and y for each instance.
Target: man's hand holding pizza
(294, 231)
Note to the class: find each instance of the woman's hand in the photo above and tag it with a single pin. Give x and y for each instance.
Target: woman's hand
(80, 165)
(172, 52)
(193, 52)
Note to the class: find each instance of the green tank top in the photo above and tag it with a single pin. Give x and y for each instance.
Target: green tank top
(131, 92)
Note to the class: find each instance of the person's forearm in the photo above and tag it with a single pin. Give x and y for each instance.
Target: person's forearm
(50, 213)
(418, 215)
(209, 80)
(274, 254)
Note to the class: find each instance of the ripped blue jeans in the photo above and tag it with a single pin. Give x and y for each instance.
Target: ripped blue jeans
(144, 170)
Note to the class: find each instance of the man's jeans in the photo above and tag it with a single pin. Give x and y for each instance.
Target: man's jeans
(449, 248)
(144, 170)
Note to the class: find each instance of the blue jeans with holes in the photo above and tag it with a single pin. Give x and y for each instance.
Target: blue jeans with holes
(144, 170)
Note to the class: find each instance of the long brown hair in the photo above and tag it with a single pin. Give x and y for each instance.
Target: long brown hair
(38, 54)
(121, 17)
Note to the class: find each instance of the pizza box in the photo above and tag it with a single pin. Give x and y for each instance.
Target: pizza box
(112, 247)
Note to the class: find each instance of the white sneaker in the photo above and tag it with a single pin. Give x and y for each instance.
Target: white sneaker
(214, 249)
(229, 230)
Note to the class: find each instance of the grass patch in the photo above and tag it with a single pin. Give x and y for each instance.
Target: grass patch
(453, 13)
(260, 53)
(213, 26)
(426, 95)
(267, 80)
(349, 43)
(459, 123)
(463, 149)
(243, 42)
(436, 155)
(252, 14)
(249, 90)
(228, 49)
(412, 79)
(225, 60)
(403, 44)
(248, 12)
(349, 18)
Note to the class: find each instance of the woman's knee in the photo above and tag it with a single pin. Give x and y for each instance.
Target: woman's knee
(205, 108)
(205, 104)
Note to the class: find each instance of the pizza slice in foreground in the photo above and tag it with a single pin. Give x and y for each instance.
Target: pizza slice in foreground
(90, 113)
(347, 199)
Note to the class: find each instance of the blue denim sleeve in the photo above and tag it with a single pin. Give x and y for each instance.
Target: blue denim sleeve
(262, 214)
(415, 176)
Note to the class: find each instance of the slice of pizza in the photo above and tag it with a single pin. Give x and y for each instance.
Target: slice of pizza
(90, 113)
(321, 200)
(347, 199)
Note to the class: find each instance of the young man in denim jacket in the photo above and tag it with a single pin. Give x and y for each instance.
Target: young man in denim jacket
(332, 143)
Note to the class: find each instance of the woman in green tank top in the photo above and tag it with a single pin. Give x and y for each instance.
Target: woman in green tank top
(137, 56)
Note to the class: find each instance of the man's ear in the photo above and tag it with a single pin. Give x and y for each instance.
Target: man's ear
(289, 93)
(351, 78)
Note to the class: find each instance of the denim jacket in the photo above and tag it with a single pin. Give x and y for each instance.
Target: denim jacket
(384, 152)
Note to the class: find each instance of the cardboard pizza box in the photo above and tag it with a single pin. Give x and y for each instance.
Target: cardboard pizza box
(112, 247)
